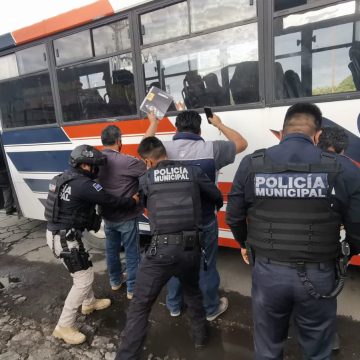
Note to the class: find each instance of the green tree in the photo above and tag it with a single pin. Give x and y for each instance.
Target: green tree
(346, 85)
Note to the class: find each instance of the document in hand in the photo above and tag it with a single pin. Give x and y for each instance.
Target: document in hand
(158, 101)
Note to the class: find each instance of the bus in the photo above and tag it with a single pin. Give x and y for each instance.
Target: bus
(62, 80)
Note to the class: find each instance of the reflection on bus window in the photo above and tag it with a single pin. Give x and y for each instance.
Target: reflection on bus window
(165, 23)
(73, 48)
(8, 67)
(314, 56)
(32, 59)
(205, 14)
(26, 101)
(97, 89)
(215, 69)
(111, 38)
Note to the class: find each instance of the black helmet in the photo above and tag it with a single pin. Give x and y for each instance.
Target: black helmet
(86, 154)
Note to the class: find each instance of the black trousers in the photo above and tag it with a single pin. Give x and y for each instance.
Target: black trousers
(154, 272)
(278, 294)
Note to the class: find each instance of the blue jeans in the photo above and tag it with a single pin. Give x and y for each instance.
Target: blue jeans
(209, 280)
(127, 234)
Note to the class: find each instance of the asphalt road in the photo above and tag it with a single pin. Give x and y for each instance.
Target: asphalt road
(33, 286)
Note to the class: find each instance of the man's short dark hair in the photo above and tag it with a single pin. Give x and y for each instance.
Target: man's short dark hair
(303, 108)
(188, 121)
(151, 147)
(333, 136)
(110, 135)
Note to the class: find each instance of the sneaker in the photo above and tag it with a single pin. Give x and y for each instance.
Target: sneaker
(175, 313)
(69, 334)
(129, 295)
(116, 287)
(98, 304)
(10, 211)
(223, 305)
(123, 280)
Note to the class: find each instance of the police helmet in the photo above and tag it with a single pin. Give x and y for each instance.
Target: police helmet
(86, 154)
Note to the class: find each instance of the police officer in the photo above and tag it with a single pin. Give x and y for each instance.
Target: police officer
(285, 209)
(172, 194)
(69, 210)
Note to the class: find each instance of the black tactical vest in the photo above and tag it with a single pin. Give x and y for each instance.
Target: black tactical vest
(56, 214)
(173, 199)
(292, 217)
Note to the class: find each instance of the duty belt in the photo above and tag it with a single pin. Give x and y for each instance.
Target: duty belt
(188, 239)
(307, 265)
(340, 265)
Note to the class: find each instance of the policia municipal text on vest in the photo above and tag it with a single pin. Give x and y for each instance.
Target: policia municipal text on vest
(292, 221)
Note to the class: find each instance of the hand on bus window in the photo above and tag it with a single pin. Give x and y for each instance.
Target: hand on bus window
(215, 120)
(180, 106)
(244, 255)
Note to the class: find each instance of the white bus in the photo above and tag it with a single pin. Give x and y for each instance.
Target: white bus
(62, 80)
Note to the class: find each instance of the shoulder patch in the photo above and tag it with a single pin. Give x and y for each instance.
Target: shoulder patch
(97, 186)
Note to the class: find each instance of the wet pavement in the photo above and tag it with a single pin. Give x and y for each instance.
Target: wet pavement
(33, 287)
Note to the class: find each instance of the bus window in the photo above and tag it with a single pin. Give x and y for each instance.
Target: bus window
(313, 52)
(166, 23)
(205, 14)
(32, 59)
(111, 38)
(97, 89)
(8, 67)
(216, 69)
(28, 100)
(73, 48)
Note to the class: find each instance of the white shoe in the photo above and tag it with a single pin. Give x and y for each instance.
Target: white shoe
(223, 305)
(123, 280)
(175, 313)
(98, 304)
(69, 334)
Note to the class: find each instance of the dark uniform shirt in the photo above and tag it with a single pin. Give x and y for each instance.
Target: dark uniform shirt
(158, 194)
(82, 194)
(298, 148)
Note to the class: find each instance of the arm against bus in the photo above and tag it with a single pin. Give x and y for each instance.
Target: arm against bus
(232, 135)
(154, 122)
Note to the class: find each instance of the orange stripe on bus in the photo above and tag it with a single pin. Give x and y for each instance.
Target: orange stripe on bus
(229, 243)
(64, 21)
(128, 127)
